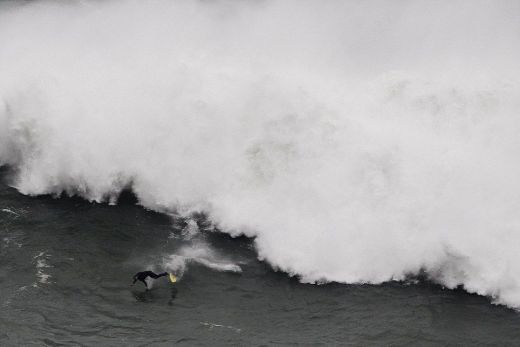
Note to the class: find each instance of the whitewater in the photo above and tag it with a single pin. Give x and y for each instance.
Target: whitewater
(356, 142)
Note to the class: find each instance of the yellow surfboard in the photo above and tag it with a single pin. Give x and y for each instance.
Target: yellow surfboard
(173, 279)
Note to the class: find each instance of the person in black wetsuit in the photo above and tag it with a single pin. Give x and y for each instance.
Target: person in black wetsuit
(141, 276)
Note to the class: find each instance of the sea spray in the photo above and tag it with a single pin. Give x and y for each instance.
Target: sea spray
(199, 253)
(355, 141)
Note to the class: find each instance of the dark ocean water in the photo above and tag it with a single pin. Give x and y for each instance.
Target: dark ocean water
(66, 266)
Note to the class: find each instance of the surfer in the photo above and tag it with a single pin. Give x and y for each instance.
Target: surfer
(141, 276)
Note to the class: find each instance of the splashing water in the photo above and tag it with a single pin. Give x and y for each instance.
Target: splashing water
(357, 142)
(199, 253)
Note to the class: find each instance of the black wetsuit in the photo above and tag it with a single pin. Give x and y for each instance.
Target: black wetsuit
(141, 276)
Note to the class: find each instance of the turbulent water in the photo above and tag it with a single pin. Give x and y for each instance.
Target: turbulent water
(65, 267)
(355, 142)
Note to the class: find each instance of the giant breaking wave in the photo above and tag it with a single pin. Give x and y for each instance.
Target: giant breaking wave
(357, 142)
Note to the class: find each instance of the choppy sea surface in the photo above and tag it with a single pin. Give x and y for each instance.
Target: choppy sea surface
(66, 265)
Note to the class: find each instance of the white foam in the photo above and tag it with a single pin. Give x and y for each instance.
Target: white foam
(41, 265)
(356, 141)
(6, 210)
(215, 325)
(190, 230)
(200, 253)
